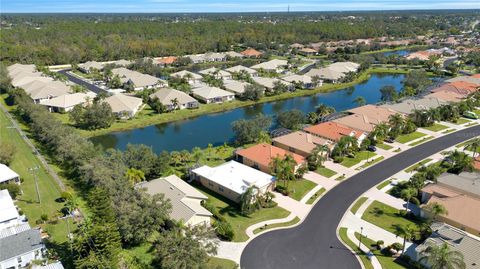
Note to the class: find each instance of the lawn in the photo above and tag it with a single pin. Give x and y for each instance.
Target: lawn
(384, 146)
(387, 262)
(448, 131)
(386, 217)
(219, 263)
(359, 156)
(436, 127)
(240, 223)
(409, 137)
(417, 165)
(48, 189)
(367, 164)
(384, 184)
(276, 225)
(424, 139)
(328, 173)
(461, 121)
(314, 197)
(363, 257)
(298, 188)
(358, 204)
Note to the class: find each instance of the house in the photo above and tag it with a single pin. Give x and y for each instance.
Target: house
(23, 78)
(251, 53)
(241, 68)
(326, 74)
(460, 87)
(296, 46)
(186, 200)
(217, 73)
(24, 67)
(447, 96)
(275, 65)
(122, 62)
(408, 106)
(334, 131)
(235, 86)
(165, 61)
(138, 80)
(419, 55)
(192, 78)
(344, 67)
(197, 58)
(53, 265)
(67, 102)
(210, 95)
(90, 66)
(7, 175)
(233, 54)
(375, 114)
(232, 179)
(21, 249)
(460, 195)
(167, 95)
(303, 80)
(471, 79)
(307, 52)
(215, 57)
(300, 142)
(9, 216)
(39, 90)
(124, 106)
(269, 83)
(260, 156)
(456, 239)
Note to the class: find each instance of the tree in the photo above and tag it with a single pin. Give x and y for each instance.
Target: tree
(292, 119)
(434, 210)
(12, 188)
(458, 162)
(98, 115)
(388, 93)
(441, 257)
(324, 110)
(408, 194)
(283, 169)
(157, 106)
(279, 87)
(417, 80)
(248, 131)
(5, 80)
(134, 176)
(472, 145)
(252, 92)
(407, 232)
(249, 201)
(360, 101)
(7, 153)
(175, 103)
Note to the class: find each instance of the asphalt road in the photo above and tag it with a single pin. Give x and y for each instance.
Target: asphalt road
(78, 81)
(314, 244)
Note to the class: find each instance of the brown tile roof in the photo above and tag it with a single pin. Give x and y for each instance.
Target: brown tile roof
(460, 209)
(376, 114)
(448, 96)
(167, 60)
(263, 154)
(301, 140)
(251, 52)
(461, 87)
(332, 130)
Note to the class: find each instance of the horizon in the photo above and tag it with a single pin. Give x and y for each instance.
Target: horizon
(215, 6)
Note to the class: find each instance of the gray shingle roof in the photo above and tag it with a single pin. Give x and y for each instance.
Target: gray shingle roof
(20, 243)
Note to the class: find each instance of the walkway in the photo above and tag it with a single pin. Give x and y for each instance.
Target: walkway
(81, 82)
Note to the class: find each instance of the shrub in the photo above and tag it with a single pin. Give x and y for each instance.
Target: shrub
(7, 153)
(380, 242)
(282, 189)
(396, 246)
(224, 230)
(338, 159)
(12, 188)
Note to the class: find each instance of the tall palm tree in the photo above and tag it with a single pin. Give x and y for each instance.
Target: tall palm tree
(396, 122)
(408, 194)
(407, 232)
(323, 110)
(175, 103)
(434, 210)
(441, 257)
(360, 101)
(473, 145)
(134, 175)
(249, 201)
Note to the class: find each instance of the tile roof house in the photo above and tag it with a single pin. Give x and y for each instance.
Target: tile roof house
(447, 96)
(167, 95)
(460, 195)
(275, 65)
(344, 67)
(9, 216)
(408, 106)
(19, 250)
(191, 77)
(471, 79)
(269, 83)
(67, 102)
(456, 239)
(356, 121)
(90, 65)
(185, 199)
(23, 78)
(124, 106)
(234, 54)
(38, 90)
(240, 68)
(215, 56)
(235, 86)
(138, 80)
(167, 60)
(253, 53)
(300, 142)
(261, 155)
(375, 114)
(326, 74)
(334, 131)
(307, 51)
(217, 73)
(7, 175)
(232, 179)
(210, 95)
(304, 80)
(460, 87)
(24, 67)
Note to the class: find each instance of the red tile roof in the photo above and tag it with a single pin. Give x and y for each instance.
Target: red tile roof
(251, 52)
(332, 130)
(167, 60)
(460, 87)
(263, 154)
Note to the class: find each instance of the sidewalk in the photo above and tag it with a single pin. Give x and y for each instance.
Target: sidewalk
(376, 264)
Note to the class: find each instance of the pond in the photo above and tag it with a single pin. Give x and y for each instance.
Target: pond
(216, 128)
(396, 52)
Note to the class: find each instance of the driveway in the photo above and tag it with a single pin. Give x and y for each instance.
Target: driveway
(81, 82)
(314, 243)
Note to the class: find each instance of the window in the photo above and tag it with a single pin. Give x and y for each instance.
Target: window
(221, 189)
(19, 259)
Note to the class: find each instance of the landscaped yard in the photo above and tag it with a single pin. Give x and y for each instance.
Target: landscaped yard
(384, 146)
(436, 127)
(409, 137)
(326, 172)
(358, 204)
(240, 223)
(383, 184)
(417, 165)
(342, 232)
(298, 188)
(276, 225)
(461, 121)
(315, 196)
(386, 261)
(215, 262)
(359, 156)
(386, 217)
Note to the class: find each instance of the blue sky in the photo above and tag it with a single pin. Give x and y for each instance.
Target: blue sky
(160, 6)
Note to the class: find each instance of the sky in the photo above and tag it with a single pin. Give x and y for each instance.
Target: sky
(180, 6)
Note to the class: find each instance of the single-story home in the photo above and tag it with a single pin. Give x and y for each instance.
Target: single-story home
(191, 77)
(89, 66)
(472, 79)
(215, 57)
(374, 114)
(39, 90)
(210, 95)
(217, 73)
(7, 175)
(23, 78)
(166, 96)
(408, 106)
(9, 216)
(456, 239)
(304, 80)
(460, 195)
(460, 87)
(24, 67)
(21, 249)
(186, 200)
(307, 52)
(67, 102)
(334, 131)
(251, 53)
(275, 65)
(138, 80)
(124, 106)
(447, 96)
(164, 61)
(122, 62)
(235, 86)
(234, 54)
(232, 179)
(260, 156)
(269, 83)
(326, 74)
(344, 67)
(196, 58)
(300, 142)
(241, 68)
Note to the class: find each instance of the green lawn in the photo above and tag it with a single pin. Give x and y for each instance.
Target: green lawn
(424, 139)
(365, 165)
(328, 173)
(448, 131)
(358, 204)
(384, 146)
(340, 178)
(363, 257)
(359, 156)
(477, 111)
(218, 263)
(417, 165)
(315, 196)
(386, 217)
(461, 121)
(387, 262)
(384, 184)
(240, 223)
(276, 225)
(436, 127)
(409, 137)
(298, 188)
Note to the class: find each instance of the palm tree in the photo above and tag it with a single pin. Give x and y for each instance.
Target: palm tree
(198, 155)
(175, 103)
(323, 110)
(408, 194)
(434, 210)
(441, 257)
(407, 232)
(249, 201)
(473, 145)
(134, 175)
(360, 101)
(396, 122)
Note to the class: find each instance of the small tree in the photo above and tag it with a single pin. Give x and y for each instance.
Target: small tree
(441, 257)
(249, 201)
(7, 153)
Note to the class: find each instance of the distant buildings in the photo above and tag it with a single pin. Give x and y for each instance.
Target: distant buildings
(137, 80)
(174, 99)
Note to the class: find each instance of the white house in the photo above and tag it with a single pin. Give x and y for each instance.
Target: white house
(89, 66)
(241, 68)
(275, 65)
(7, 175)
(20, 249)
(303, 80)
(232, 179)
(212, 95)
(235, 86)
(67, 102)
(9, 216)
(138, 80)
(166, 96)
(191, 77)
(124, 106)
(217, 73)
(185, 199)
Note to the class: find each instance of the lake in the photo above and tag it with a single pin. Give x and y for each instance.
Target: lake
(216, 128)
(396, 52)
